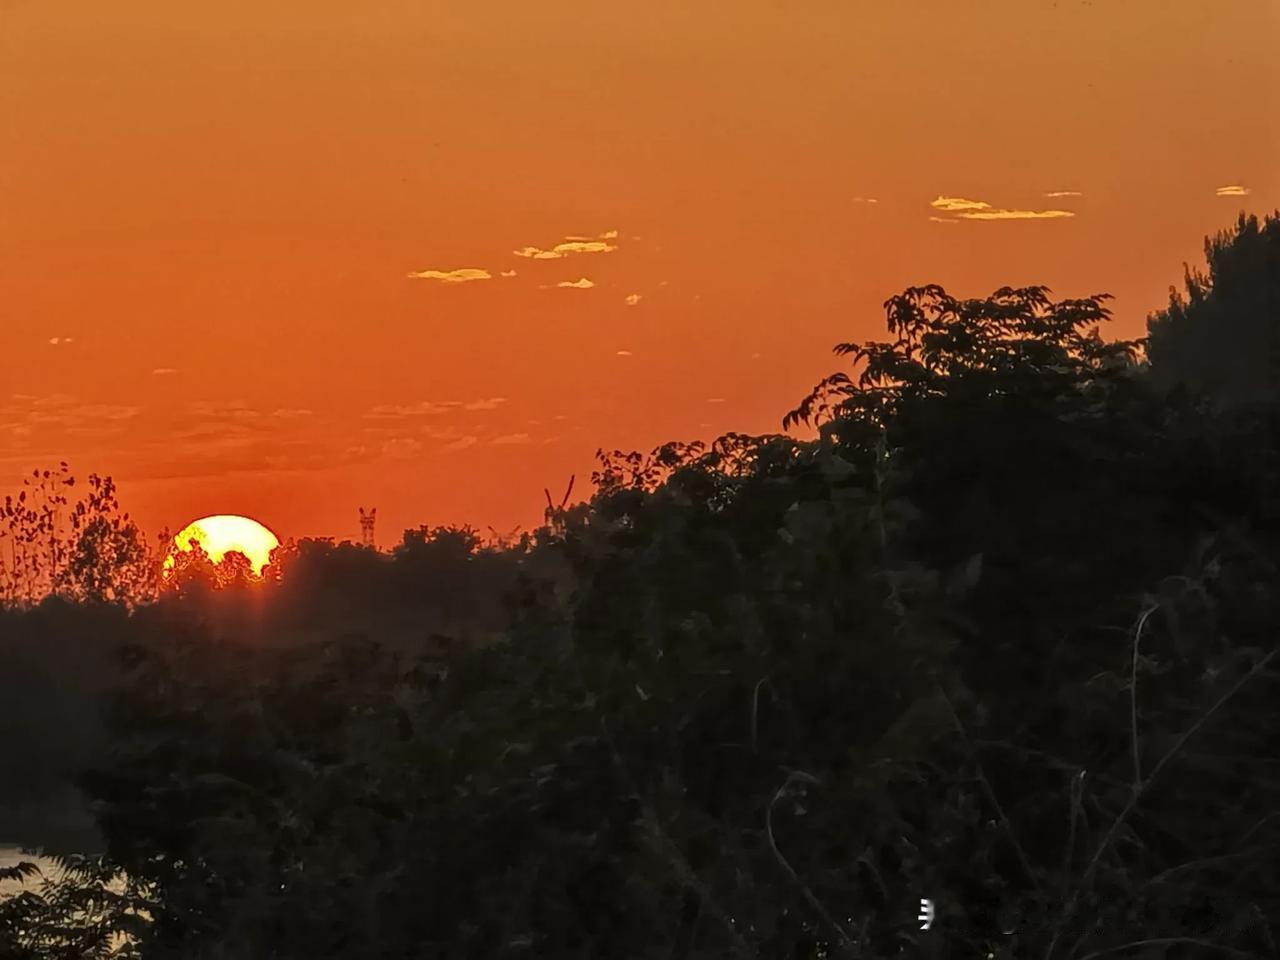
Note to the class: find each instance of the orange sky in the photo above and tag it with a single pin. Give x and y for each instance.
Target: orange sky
(214, 210)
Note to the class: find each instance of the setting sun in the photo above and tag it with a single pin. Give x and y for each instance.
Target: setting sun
(222, 534)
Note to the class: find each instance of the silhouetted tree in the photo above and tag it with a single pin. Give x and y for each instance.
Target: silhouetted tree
(86, 550)
(1221, 336)
(1003, 635)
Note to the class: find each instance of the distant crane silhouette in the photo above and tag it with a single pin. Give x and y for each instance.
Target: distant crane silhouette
(366, 525)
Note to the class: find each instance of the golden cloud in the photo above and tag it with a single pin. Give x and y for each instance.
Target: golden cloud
(1233, 190)
(451, 276)
(1064, 193)
(953, 204)
(632, 299)
(981, 210)
(582, 283)
(566, 248)
(571, 245)
(1015, 215)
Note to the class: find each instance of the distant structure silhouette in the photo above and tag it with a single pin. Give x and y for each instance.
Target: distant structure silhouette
(366, 525)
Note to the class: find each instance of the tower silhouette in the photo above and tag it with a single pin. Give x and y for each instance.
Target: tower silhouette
(366, 525)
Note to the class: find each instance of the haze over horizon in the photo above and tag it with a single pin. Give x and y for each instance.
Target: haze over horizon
(431, 258)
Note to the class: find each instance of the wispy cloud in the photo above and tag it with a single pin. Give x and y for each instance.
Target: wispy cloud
(43, 423)
(566, 248)
(623, 353)
(105, 411)
(865, 200)
(1064, 193)
(401, 447)
(163, 371)
(431, 408)
(715, 399)
(632, 299)
(508, 273)
(55, 341)
(460, 444)
(464, 275)
(436, 431)
(391, 411)
(572, 245)
(1232, 190)
(491, 403)
(222, 410)
(510, 439)
(1016, 215)
(954, 204)
(582, 283)
(965, 209)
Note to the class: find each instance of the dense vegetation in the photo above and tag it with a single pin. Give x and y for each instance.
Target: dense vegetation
(1002, 636)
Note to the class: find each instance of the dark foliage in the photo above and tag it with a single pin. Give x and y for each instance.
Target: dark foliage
(1221, 336)
(1003, 636)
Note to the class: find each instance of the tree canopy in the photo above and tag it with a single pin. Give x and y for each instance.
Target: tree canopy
(1002, 636)
(1220, 336)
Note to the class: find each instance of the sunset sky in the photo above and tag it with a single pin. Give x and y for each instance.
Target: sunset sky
(282, 259)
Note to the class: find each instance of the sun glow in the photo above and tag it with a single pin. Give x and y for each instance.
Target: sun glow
(224, 533)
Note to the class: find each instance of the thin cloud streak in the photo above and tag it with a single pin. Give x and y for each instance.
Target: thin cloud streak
(1015, 215)
(428, 408)
(1232, 190)
(572, 245)
(464, 275)
(567, 248)
(953, 204)
(965, 209)
(460, 444)
(491, 403)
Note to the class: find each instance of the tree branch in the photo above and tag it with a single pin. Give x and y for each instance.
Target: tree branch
(1141, 788)
(1133, 695)
(846, 941)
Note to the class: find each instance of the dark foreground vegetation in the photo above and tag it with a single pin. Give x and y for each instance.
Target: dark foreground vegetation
(1003, 636)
